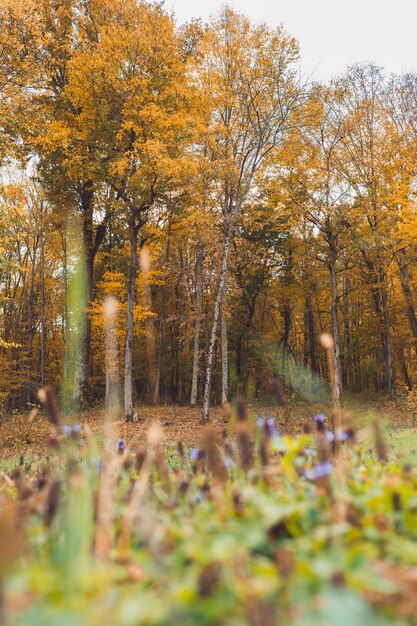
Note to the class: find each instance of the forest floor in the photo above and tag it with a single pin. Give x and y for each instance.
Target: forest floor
(27, 434)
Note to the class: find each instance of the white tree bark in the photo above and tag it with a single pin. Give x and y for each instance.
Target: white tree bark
(130, 331)
(112, 358)
(225, 361)
(198, 298)
(217, 305)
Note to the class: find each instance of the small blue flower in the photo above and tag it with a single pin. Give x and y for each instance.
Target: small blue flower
(267, 426)
(121, 445)
(228, 462)
(319, 471)
(259, 422)
(329, 436)
(71, 431)
(195, 454)
(320, 418)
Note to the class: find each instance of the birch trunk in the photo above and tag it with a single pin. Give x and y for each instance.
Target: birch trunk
(42, 312)
(216, 315)
(130, 331)
(198, 298)
(225, 363)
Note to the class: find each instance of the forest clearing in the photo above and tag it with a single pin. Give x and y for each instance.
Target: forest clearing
(208, 324)
(28, 434)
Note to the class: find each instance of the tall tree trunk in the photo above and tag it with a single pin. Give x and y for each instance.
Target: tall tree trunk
(380, 297)
(83, 373)
(386, 335)
(130, 330)
(31, 325)
(405, 285)
(378, 284)
(347, 334)
(225, 362)
(156, 394)
(42, 311)
(311, 336)
(216, 314)
(112, 398)
(198, 298)
(335, 327)
(404, 369)
(285, 337)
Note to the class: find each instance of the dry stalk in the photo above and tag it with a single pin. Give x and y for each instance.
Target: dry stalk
(104, 535)
(133, 508)
(341, 494)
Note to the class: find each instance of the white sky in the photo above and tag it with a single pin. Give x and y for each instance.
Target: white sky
(332, 33)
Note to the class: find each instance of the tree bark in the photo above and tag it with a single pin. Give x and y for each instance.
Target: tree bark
(216, 314)
(83, 371)
(92, 242)
(156, 395)
(225, 363)
(404, 369)
(42, 311)
(198, 298)
(386, 336)
(31, 325)
(311, 336)
(405, 285)
(335, 327)
(130, 330)
(347, 335)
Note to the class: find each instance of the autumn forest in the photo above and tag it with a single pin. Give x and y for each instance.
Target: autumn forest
(232, 208)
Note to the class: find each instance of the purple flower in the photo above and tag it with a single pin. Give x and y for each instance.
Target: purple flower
(329, 436)
(320, 418)
(121, 445)
(319, 471)
(267, 426)
(71, 431)
(343, 436)
(196, 454)
(259, 422)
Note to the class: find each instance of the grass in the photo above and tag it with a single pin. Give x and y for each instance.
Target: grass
(259, 529)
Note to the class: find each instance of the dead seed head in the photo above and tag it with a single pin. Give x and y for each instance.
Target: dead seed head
(145, 260)
(48, 399)
(214, 458)
(110, 307)
(326, 341)
(155, 435)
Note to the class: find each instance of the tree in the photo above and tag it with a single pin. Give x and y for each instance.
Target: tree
(249, 76)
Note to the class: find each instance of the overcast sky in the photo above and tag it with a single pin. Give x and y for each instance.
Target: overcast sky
(332, 33)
